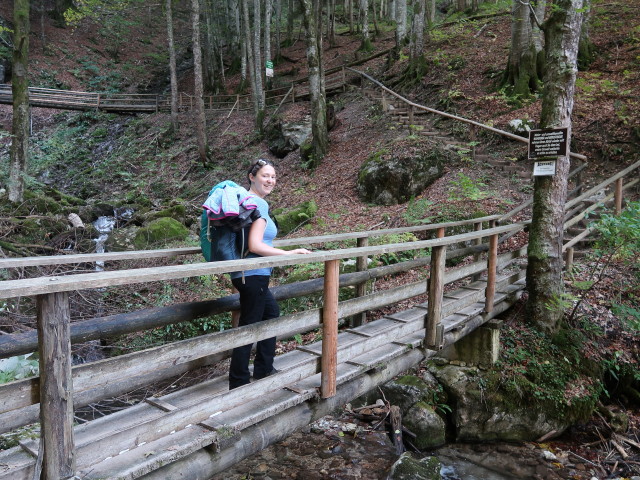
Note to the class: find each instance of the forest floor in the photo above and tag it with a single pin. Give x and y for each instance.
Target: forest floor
(465, 61)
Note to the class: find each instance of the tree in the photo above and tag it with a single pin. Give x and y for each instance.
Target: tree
(172, 66)
(198, 110)
(20, 91)
(401, 21)
(365, 46)
(544, 269)
(416, 45)
(526, 56)
(60, 7)
(258, 65)
(311, 20)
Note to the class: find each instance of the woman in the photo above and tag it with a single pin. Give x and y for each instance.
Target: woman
(256, 301)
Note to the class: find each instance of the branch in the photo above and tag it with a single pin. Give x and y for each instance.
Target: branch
(533, 12)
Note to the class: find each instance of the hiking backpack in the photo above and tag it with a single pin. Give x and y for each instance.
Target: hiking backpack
(225, 223)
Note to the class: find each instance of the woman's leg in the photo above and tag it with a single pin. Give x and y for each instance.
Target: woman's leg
(266, 349)
(253, 298)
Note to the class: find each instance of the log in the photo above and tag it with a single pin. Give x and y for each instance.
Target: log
(396, 428)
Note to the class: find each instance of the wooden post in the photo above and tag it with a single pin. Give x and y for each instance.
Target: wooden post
(361, 288)
(618, 196)
(491, 273)
(440, 232)
(293, 92)
(436, 290)
(329, 361)
(477, 227)
(385, 107)
(410, 116)
(344, 80)
(56, 386)
(569, 262)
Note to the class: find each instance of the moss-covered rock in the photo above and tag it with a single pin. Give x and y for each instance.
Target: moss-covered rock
(177, 212)
(388, 178)
(159, 231)
(429, 427)
(292, 219)
(408, 467)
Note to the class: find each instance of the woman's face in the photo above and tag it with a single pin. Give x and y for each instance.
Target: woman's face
(263, 181)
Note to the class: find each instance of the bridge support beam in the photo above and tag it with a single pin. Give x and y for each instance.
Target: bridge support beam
(480, 348)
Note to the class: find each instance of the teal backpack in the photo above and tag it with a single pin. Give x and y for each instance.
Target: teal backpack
(226, 237)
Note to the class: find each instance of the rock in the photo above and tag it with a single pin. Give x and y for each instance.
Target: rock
(291, 219)
(159, 231)
(481, 416)
(284, 138)
(429, 427)
(407, 467)
(390, 178)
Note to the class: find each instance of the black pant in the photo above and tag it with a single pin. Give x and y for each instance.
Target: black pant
(256, 304)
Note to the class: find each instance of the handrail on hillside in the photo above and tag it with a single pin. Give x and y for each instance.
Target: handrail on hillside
(504, 133)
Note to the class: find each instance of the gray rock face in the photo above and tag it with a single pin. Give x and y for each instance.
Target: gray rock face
(392, 178)
(287, 137)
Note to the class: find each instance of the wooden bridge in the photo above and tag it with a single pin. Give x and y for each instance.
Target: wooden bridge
(198, 431)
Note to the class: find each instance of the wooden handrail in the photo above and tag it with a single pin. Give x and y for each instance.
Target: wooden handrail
(43, 285)
(163, 253)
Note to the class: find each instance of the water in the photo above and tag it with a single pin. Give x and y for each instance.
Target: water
(105, 225)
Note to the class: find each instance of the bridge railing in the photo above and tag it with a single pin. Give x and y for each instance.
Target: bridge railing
(64, 386)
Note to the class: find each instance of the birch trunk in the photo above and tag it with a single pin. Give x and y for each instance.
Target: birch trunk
(364, 20)
(20, 91)
(544, 269)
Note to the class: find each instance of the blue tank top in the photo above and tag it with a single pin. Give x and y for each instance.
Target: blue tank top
(269, 234)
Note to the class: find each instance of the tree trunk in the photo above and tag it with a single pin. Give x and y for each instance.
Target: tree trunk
(416, 45)
(172, 66)
(268, 6)
(526, 56)
(331, 12)
(290, 17)
(364, 19)
(249, 53)
(59, 7)
(544, 269)
(431, 11)
(198, 110)
(311, 12)
(258, 64)
(20, 91)
(401, 19)
(586, 51)
(278, 7)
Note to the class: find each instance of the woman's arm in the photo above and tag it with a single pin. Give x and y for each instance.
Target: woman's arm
(257, 245)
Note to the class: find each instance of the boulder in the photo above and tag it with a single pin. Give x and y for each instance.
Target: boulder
(158, 232)
(388, 178)
(481, 416)
(429, 427)
(290, 220)
(408, 467)
(284, 138)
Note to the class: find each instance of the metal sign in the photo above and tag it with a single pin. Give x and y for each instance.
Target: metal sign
(550, 142)
(541, 169)
(269, 66)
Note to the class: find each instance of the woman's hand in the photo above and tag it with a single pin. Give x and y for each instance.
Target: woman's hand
(300, 251)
